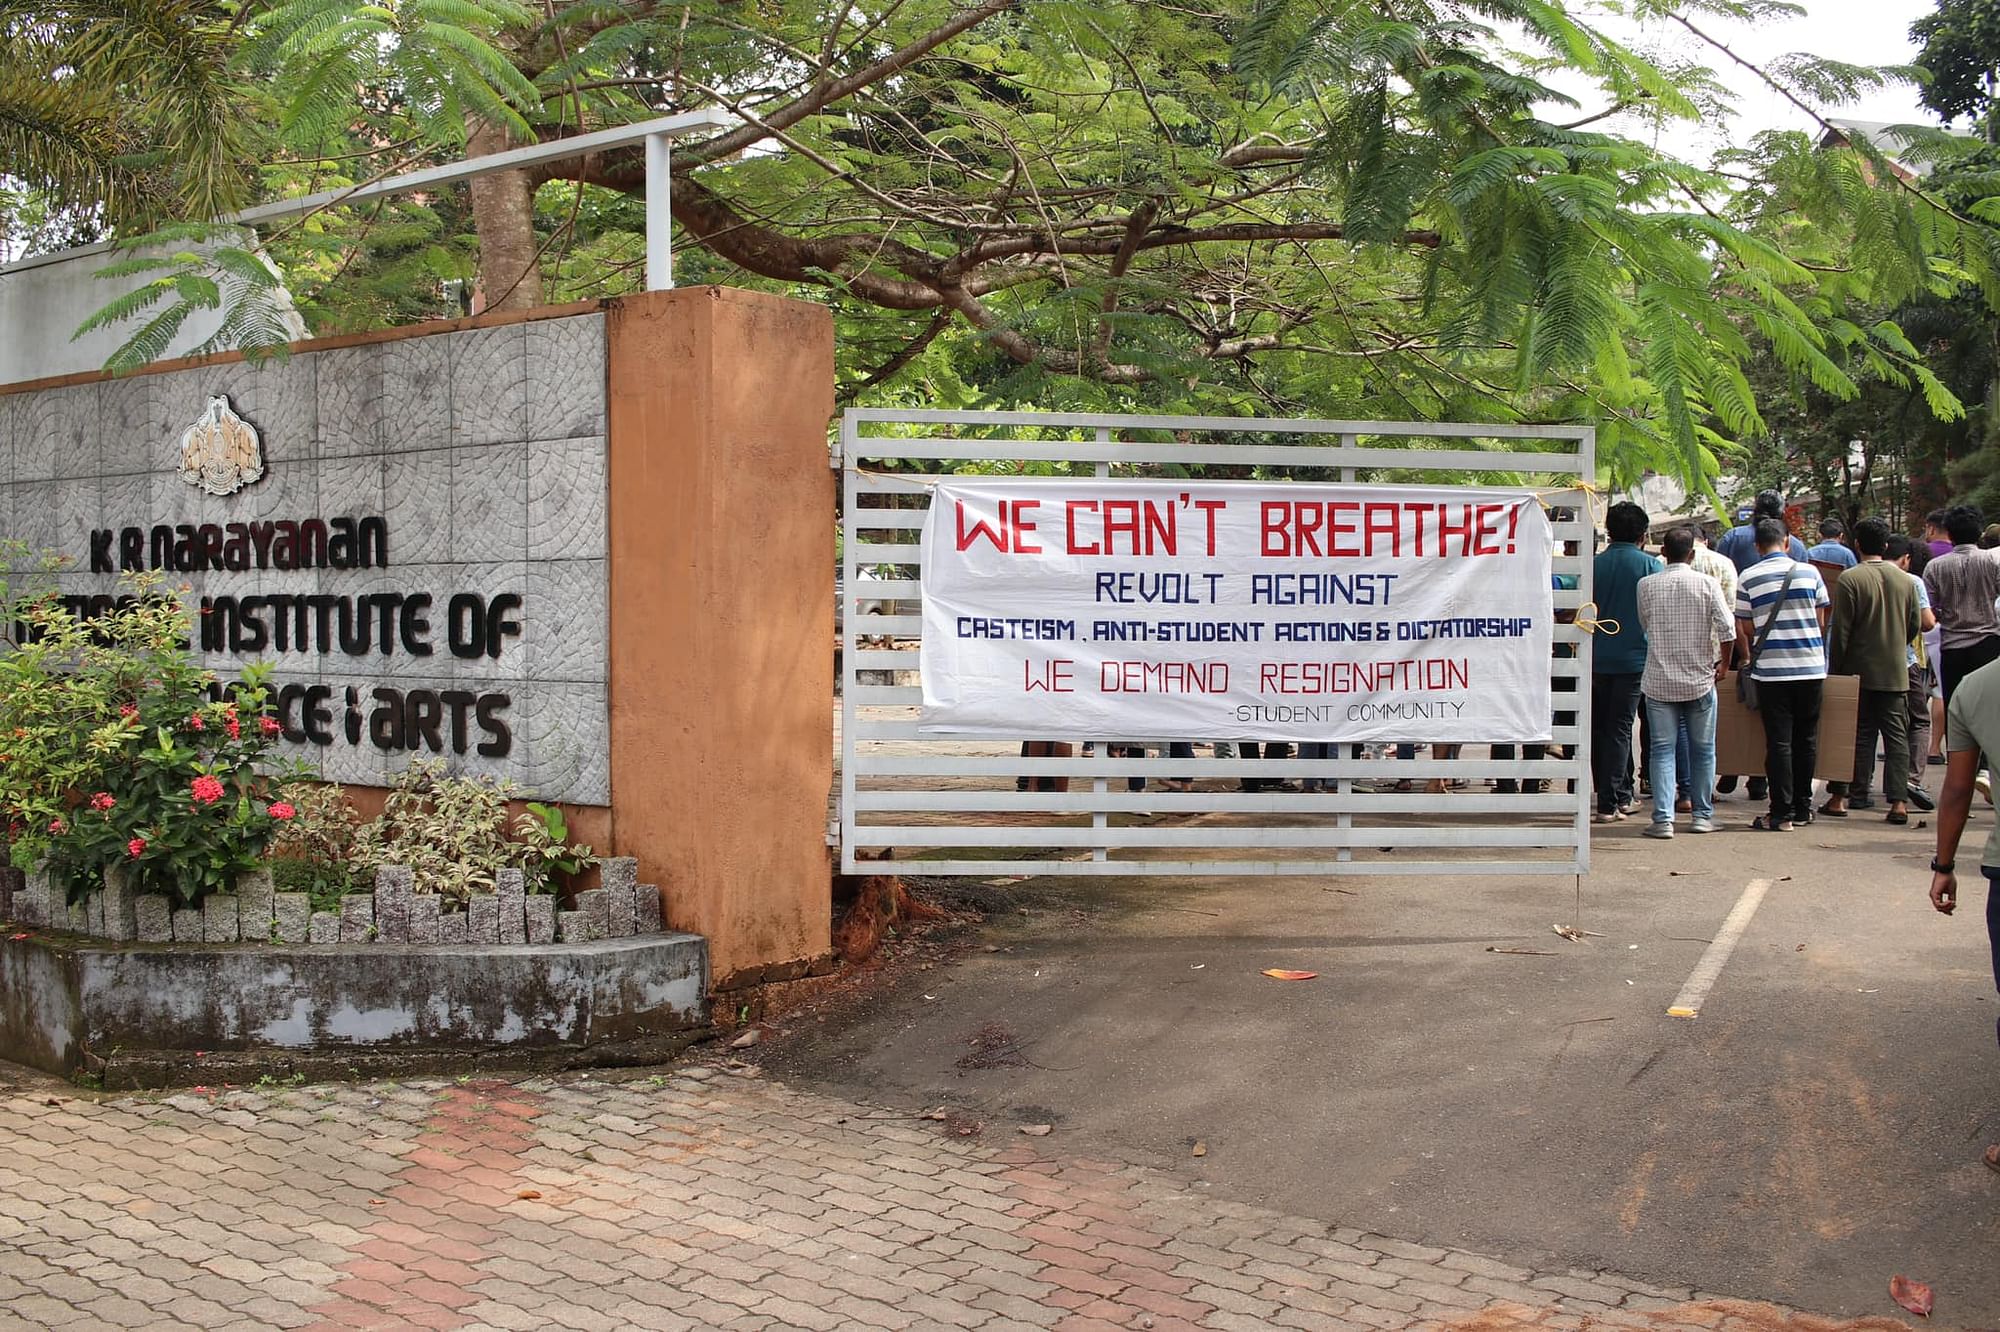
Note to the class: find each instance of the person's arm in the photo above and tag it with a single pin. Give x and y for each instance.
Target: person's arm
(1744, 612)
(1725, 633)
(1835, 630)
(1954, 806)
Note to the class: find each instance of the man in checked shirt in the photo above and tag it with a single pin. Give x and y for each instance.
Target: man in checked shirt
(1686, 625)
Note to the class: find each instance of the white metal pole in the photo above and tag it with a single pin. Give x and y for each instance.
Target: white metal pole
(659, 213)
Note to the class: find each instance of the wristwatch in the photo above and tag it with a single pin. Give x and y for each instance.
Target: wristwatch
(1942, 866)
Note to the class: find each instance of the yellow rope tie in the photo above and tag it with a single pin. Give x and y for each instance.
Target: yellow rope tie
(1586, 620)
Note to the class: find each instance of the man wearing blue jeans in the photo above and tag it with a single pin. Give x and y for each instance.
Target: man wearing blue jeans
(1973, 719)
(1686, 625)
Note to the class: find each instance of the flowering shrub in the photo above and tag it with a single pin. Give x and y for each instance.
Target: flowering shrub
(115, 749)
(314, 849)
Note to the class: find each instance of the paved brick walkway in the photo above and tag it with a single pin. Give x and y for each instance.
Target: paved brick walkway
(696, 1200)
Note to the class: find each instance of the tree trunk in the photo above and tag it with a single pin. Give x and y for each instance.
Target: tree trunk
(503, 213)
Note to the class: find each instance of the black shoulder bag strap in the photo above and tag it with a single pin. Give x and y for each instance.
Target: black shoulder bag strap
(1746, 688)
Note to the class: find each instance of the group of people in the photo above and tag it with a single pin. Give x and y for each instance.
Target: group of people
(1917, 622)
(1911, 619)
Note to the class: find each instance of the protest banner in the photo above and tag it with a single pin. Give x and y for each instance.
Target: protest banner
(1235, 611)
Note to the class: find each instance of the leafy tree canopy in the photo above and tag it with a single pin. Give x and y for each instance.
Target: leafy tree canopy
(1408, 208)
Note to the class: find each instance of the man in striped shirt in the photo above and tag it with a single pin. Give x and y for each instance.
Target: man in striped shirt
(1789, 668)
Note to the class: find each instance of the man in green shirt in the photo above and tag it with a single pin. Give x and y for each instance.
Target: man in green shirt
(1973, 726)
(1874, 618)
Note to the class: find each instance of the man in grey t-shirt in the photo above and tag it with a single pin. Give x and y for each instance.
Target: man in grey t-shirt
(1973, 718)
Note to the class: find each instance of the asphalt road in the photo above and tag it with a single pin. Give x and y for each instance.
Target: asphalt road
(1814, 1131)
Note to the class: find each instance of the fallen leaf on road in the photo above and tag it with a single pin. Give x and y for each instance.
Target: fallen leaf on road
(747, 1039)
(1037, 1130)
(1521, 952)
(1912, 1295)
(1800, 949)
(1201, 1149)
(528, 1195)
(1197, 966)
(1279, 973)
(378, 1202)
(17, 937)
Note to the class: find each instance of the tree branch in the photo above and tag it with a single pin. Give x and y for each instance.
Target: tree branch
(821, 94)
(891, 367)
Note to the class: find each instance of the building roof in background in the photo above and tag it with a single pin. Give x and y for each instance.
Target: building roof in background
(1882, 136)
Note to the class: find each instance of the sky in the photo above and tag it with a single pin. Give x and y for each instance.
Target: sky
(1862, 32)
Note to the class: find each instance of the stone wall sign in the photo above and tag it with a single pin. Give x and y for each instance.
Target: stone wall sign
(411, 531)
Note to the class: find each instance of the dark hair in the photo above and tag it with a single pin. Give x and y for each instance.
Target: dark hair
(1963, 525)
(1871, 536)
(1900, 544)
(1678, 545)
(1831, 527)
(1768, 504)
(1920, 555)
(1935, 518)
(1626, 522)
(1771, 534)
(1990, 537)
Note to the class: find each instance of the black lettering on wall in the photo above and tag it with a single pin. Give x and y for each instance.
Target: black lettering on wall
(499, 740)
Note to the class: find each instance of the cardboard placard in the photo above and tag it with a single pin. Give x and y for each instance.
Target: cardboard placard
(1739, 732)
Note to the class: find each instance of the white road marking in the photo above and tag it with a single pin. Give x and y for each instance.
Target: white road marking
(1687, 1003)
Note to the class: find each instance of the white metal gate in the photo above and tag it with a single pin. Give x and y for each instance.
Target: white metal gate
(954, 806)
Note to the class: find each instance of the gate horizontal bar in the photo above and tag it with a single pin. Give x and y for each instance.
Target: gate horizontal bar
(1224, 424)
(1214, 868)
(902, 764)
(1212, 802)
(1138, 835)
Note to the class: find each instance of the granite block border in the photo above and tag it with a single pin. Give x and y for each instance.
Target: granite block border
(392, 914)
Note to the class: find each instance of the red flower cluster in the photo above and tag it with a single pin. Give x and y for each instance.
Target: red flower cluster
(195, 723)
(268, 725)
(103, 800)
(137, 846)
(281, 811)
(57, 826)
(206, 790)
(127, 711)
(233, 726)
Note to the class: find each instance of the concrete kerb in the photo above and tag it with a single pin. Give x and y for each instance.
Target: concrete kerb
(137, 1014)
(257, 980)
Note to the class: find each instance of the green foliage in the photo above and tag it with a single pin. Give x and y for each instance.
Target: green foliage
(1961, 61)
(1289, 207)
(315, 850)
(452, 832)
(127, 107)
(114, 751)
(543, 849)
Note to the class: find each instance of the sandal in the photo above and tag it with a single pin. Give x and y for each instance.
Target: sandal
(1893, 817)
(1763, 823)
(1832, 813)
